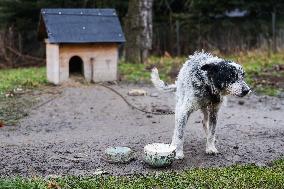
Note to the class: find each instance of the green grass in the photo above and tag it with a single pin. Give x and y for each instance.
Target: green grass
(258, 66)
(14, 81)
(248, 176)
(21, 78)
(141, 72)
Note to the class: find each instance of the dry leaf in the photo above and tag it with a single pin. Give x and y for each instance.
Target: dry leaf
(53, 185)
(1, 123)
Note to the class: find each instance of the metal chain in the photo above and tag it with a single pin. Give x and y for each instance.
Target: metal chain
(131, 105)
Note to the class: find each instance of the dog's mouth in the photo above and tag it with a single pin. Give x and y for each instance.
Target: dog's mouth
(243, 93)
(240, 95)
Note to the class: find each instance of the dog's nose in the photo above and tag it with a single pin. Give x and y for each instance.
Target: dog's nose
(245, 92)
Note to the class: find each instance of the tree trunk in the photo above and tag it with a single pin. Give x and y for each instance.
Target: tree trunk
(138, 30)
(274, 47)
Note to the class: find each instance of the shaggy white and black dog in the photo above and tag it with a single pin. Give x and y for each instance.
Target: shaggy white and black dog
(202, 83)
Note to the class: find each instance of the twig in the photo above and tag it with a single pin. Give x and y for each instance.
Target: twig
(24, 56)
(48, 101)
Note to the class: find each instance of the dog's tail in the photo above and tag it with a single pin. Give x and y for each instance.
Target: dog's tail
(159, 84)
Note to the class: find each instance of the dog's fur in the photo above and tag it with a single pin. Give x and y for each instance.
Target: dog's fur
(201, 84)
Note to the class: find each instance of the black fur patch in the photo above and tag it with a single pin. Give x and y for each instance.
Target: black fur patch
(221, 74)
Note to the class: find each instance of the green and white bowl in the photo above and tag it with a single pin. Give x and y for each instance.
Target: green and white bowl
(159, 154)
(118, 154)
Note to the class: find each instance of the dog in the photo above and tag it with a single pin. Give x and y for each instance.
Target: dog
(202, 83)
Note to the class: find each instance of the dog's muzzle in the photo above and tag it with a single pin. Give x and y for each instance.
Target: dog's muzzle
(245, 91)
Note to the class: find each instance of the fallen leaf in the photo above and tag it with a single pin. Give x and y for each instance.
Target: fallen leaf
(1, 124)
(53, 185)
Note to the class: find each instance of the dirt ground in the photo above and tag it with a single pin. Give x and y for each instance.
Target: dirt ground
(68, 135)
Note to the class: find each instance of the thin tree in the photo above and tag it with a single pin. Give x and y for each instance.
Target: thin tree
(138, 30)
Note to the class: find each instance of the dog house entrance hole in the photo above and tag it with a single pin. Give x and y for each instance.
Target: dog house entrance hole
(76, 66)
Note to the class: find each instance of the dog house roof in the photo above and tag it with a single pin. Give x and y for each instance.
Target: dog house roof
(80, 26)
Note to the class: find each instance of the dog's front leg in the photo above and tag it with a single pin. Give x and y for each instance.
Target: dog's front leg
(210, 144)
(181, 116)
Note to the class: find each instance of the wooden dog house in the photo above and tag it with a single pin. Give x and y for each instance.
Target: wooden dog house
(83, 41)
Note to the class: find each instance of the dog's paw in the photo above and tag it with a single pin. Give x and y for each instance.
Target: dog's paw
(211, 150)
(179, 155)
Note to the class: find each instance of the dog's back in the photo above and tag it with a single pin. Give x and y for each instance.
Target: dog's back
(191, 79)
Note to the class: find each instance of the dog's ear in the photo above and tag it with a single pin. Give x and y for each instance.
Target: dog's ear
(209, 67)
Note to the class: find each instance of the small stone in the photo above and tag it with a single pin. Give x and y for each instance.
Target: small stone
(260, 164)
(51, 177)
(100, 172)
(281, 95)
(276, 107)
(137, 92)
(270, 150)
(241, 102)
(79, 155)
(154, 94)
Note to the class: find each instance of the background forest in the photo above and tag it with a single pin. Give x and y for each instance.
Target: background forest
(179, 27)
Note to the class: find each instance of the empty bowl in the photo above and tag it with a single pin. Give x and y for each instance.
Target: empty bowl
(159, 154)
(118, 154)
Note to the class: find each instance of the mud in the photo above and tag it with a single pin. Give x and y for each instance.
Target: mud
(68, 135)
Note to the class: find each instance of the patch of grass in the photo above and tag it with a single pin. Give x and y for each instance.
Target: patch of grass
(268, 90)
(22, 78)
(133, 72)
(168, 69)
(261, 71)
(13, 82)
(247, 176)
(12, 109)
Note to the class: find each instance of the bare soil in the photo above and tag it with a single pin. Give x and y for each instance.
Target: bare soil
(68, 135)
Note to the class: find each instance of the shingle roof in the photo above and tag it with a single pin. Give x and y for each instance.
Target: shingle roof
(80, 26)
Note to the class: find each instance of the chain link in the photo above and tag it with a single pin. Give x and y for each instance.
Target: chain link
(132, 106)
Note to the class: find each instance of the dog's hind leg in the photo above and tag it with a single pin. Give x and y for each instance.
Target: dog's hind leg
(181, 116)
(205, 121)
(210, 144)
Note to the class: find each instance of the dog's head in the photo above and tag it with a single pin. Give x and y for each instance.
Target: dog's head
(227, 77)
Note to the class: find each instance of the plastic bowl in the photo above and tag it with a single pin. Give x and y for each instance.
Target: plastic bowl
(118, 154)
(159, 154)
